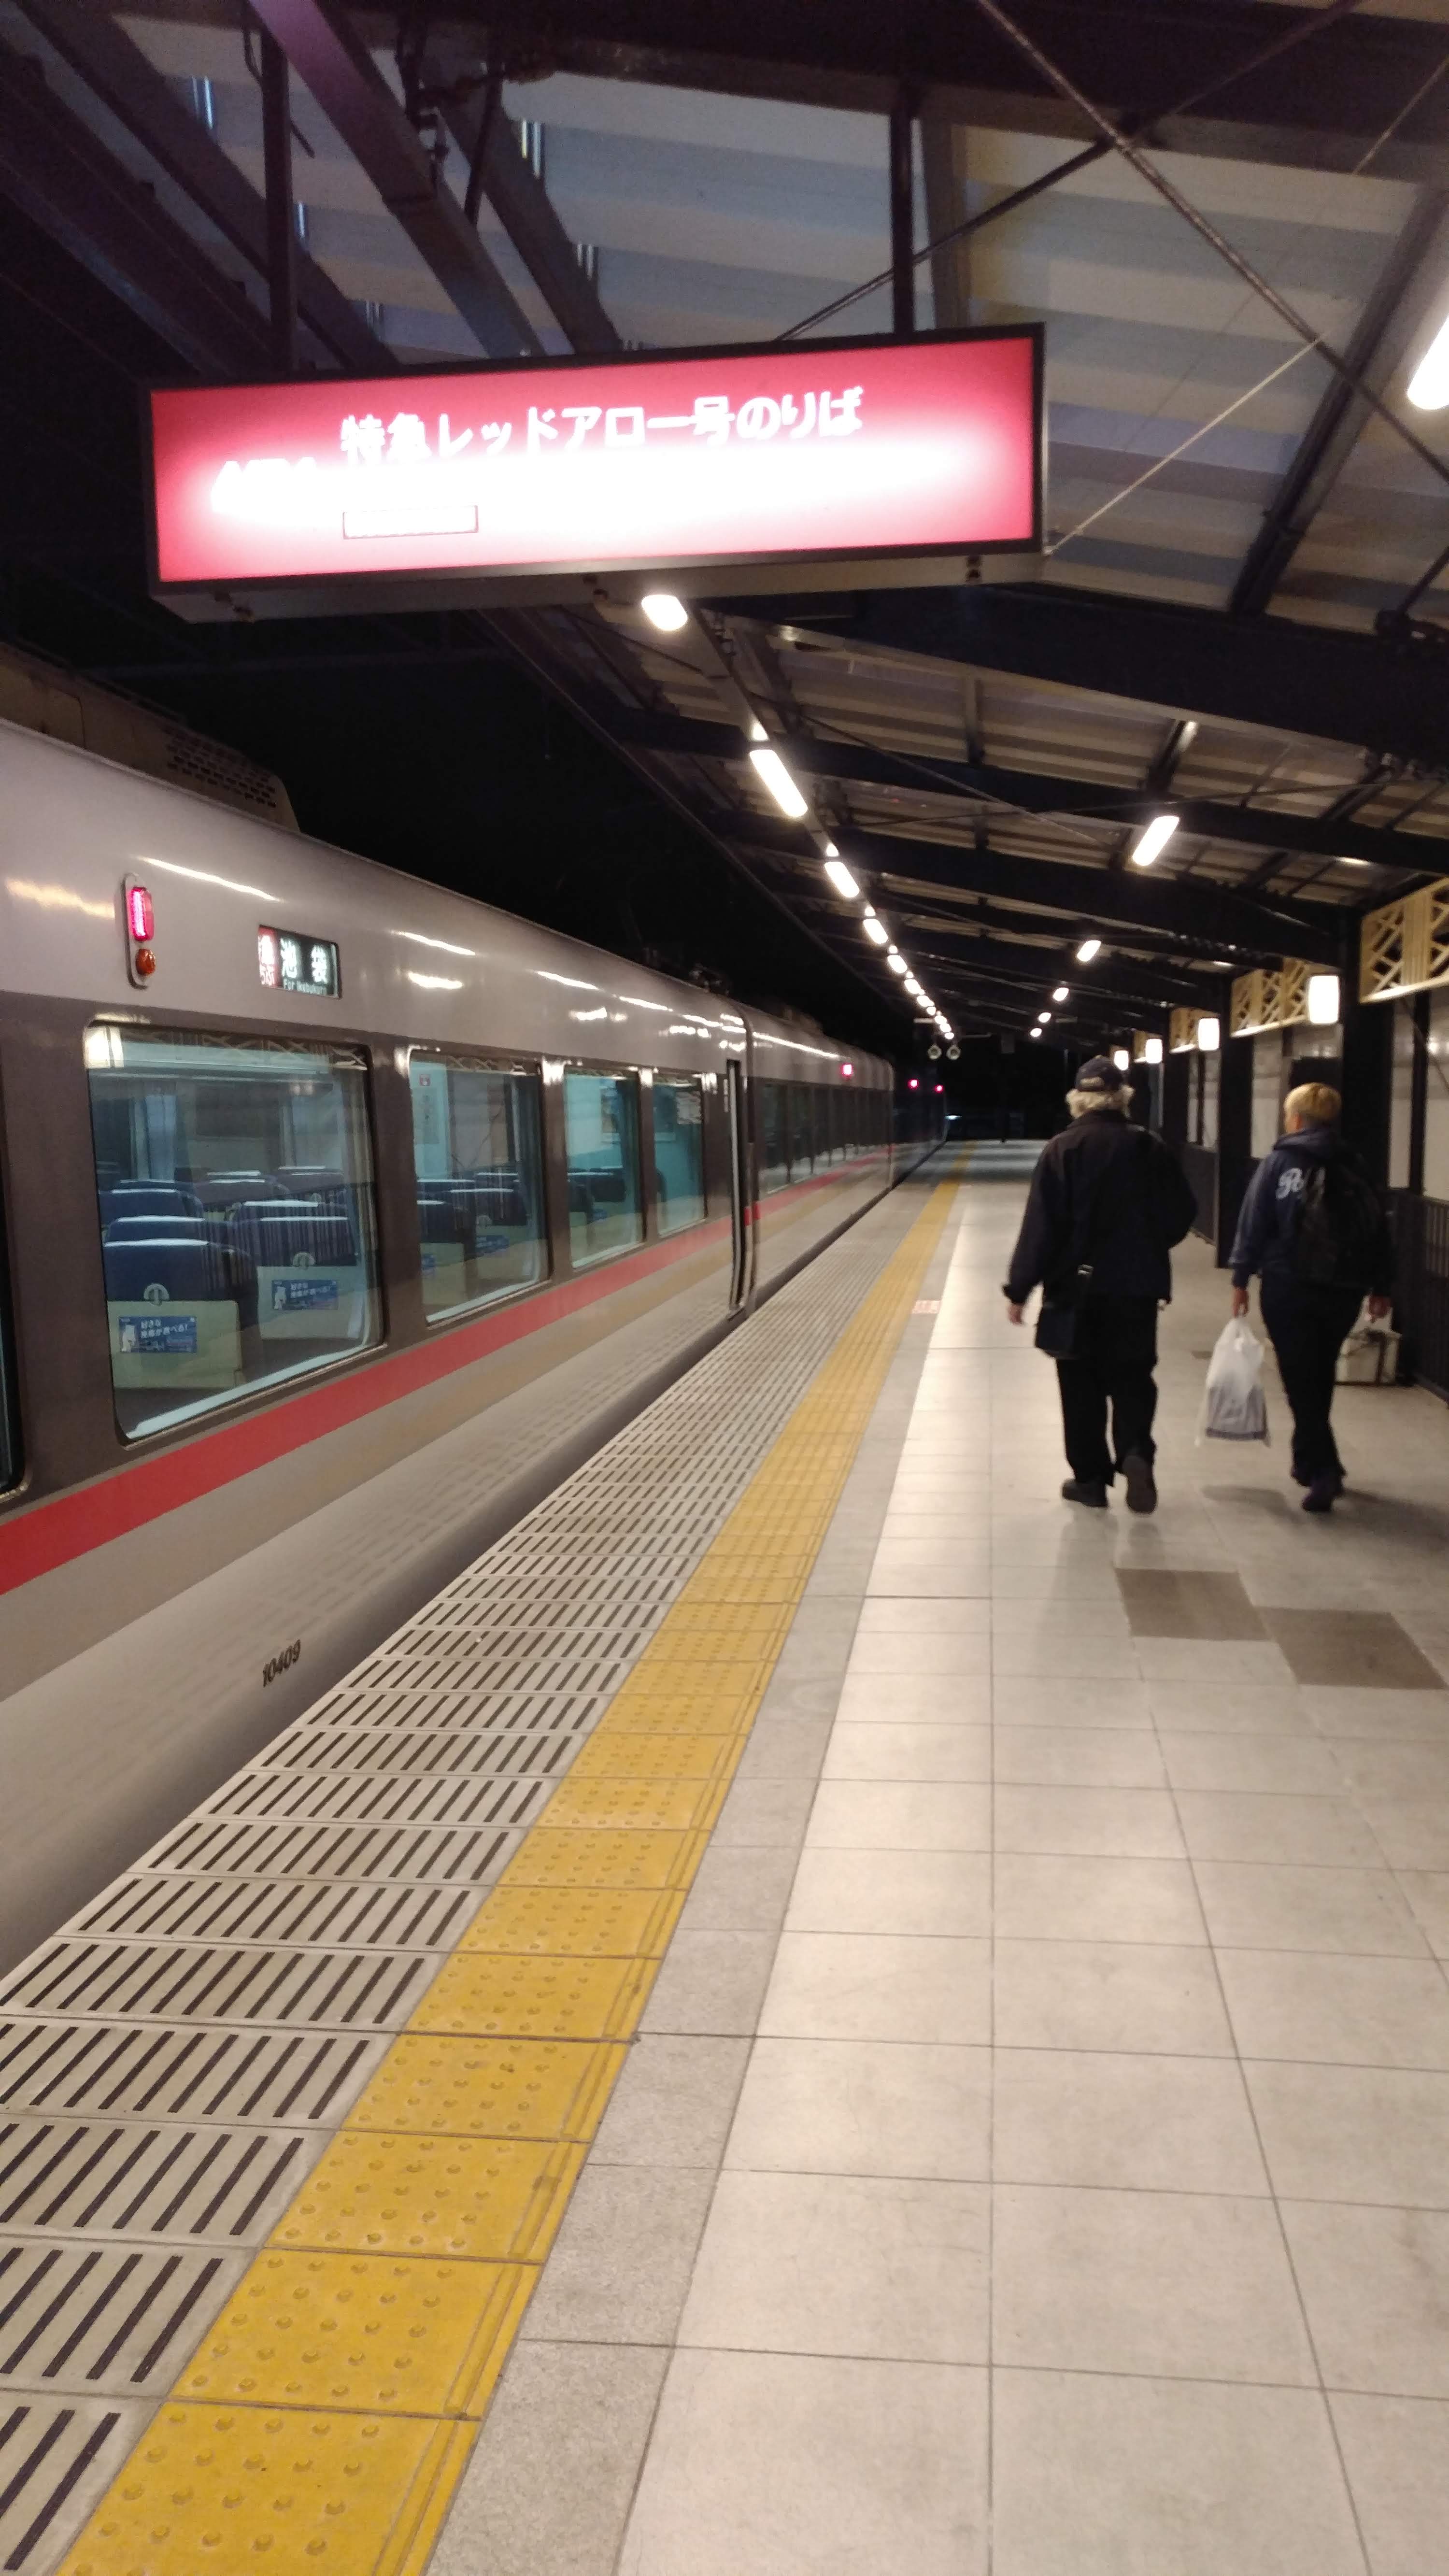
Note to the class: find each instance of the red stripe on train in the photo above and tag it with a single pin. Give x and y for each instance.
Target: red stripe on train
(70, 1525)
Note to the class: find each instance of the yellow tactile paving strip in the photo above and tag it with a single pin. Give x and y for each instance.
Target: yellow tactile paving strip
(327, 2417)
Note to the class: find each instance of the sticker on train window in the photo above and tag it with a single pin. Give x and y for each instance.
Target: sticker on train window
(290, 1294)
(156, 1333)
(295, 961)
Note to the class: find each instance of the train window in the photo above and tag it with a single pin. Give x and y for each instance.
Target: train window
(236, 1203)
(774, 1148)
(479, 1172)
(601, 1125)
(678, 1152)
(801, 1127)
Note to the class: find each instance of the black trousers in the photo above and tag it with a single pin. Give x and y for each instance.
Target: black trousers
(1307, 1322)
(1115, 1355)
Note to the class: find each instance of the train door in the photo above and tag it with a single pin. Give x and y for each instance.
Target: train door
(742, 1269)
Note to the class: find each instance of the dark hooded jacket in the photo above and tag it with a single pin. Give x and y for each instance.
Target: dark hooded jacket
(1268, 1223)
(1106, 1193)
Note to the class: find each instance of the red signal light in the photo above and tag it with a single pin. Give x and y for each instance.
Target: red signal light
(140, 915)
(913, 1085)
(144, 962)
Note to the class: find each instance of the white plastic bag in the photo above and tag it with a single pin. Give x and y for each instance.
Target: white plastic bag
(1234, 1407)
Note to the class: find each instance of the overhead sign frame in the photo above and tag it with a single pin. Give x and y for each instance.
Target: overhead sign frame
(839, 461)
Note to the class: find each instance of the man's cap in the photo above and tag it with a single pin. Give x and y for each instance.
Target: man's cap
(1099, 1073)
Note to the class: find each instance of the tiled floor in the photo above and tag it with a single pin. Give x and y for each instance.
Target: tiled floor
(1036, 2155)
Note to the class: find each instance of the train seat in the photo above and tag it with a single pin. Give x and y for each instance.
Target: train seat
(177, 1308)
(148, 1198)
(145, 1229)
(310, 1284)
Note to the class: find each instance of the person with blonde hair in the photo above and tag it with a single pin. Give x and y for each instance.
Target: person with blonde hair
(1108, 1201)
(1313, 1227)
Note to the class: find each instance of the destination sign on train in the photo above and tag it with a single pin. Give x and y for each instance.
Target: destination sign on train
(775, 454)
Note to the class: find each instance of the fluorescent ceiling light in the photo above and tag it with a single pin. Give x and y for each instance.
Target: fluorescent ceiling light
(876, 931)
(1122, 1059)
(757, 730)
(830, 851)
(1087, 951)
(1323, 1002)
(781, 785)
(897, 963)
(1154, 840)
(1042, 1018)
(1152, 1051)
(841, 878)
(665, 611)
(1429, 383)
(1033, 1033)
(1062, 993)
(1209, 1034)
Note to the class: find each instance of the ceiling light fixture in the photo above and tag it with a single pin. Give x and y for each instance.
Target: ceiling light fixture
(1209, 1034)
(1087, 951)
(896, 962)
(1122, 1059)
(1061, 993)
(1152, 1051)
(1429, 383)
(1323, 1000)
(1154, 840)
(840, 877)
(771, 769)
(664, 611)
(876, 931)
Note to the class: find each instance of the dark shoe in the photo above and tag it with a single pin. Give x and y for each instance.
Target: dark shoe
(1323, 1493)
(1090, 1490)
(1140, 1482)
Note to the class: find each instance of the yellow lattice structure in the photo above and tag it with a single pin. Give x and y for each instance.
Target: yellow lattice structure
(1272, 997)
(1404, 946)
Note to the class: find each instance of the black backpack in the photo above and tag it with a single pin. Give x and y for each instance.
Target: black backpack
(1340, 1224)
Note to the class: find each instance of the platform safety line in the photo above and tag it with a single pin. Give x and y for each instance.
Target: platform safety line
(327, 2417)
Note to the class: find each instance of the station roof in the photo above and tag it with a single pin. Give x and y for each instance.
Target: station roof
(1231, 616)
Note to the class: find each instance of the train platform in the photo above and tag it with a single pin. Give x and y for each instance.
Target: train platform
(817, 2010)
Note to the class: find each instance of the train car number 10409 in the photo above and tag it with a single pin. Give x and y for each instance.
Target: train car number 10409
(281, 1663)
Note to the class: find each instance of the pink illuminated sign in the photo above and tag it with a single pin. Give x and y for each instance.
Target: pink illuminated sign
(779, 454)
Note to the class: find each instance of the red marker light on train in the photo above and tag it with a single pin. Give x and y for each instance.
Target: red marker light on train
(140, 919)
(913, 1085)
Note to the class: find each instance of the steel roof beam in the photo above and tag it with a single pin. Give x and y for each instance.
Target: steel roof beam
(326, 53)
(53, 168)
(1318, 681)
(1412, 279)
(1039, 793)
(518, 198)
(142, 100)
(1197, 914)
(1121, 980)
(1317, 113)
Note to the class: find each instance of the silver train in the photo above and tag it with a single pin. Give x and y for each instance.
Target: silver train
(342, 1216)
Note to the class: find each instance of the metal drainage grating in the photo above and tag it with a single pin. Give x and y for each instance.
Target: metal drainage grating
(362, 1797)
(423, 1855)
(534, 1753)
(119, 2178)
(339, 1914)
(106, 2319)
(56, 2462)
(153, 1981)
(156, 2074)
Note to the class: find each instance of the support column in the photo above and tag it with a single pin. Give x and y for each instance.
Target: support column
(281, 211)
(903, 231)
(1235, 1133)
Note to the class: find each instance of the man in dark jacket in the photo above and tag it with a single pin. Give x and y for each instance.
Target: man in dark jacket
(1107, 1198)
(1312, 1225)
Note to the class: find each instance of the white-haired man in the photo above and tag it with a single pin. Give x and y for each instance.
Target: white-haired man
(1108, 1201)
